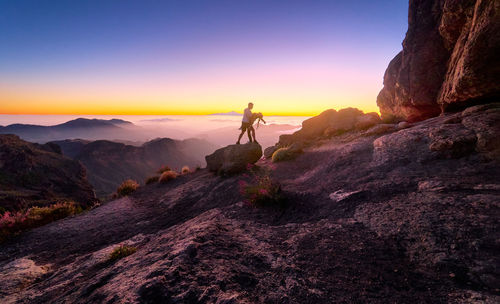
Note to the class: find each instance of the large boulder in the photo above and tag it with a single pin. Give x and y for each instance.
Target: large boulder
(449, 59)
(330, 123)
(233, 158)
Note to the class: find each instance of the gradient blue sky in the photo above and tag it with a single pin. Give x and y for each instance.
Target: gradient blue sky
(195, 57)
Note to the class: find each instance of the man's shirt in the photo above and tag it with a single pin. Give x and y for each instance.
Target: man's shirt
(247, 115)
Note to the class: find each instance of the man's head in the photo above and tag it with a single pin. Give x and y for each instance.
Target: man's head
(250, 105)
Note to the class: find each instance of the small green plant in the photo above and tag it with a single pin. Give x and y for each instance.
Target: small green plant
(185, 170)
(262, 191)
(167, 176)
(127, 187)
(121, 252)
(152, 179)
(12, 223)
(163, 169)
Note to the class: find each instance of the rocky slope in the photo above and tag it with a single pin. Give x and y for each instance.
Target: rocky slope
(449, 59)
(33, 174)
(374, 216)
(110, 163)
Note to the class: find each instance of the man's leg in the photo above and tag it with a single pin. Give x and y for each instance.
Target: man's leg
(239, 137)
(253, 134)
(249, 135)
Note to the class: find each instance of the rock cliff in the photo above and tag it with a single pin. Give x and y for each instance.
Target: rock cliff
(449, 59)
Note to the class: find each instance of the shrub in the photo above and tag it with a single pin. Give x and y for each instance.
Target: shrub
(121, 252)
(127, 187)
(198, 168)
(44, 215)
(163, 169)
(152, 179)
(281, 154)
(167, 176)
(185, 170)
(2, 210)
(12, 223)
(262, 191)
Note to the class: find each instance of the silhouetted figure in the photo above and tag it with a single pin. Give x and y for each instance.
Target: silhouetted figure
(256, 116)
(246, 123)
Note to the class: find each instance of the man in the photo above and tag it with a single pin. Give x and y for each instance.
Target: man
(246, 123)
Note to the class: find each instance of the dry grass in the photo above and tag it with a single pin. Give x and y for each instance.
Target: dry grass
(121, 252)
(12, 223)
(152, 179)
(263, 192)
(167, 176)
(127, 187)
(185, 170)
(163, 169)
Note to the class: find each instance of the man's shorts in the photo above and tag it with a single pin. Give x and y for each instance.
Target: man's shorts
(245, 126)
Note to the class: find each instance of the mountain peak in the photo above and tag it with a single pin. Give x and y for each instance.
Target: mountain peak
(231, 113)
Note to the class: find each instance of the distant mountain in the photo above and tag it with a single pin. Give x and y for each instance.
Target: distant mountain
(110, 163)
(34, 174)
(77, 128)
(232, 113)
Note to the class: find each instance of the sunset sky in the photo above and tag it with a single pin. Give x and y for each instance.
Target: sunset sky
(195, 57)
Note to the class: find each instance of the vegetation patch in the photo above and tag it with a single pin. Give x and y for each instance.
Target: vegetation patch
(121, 252)
(262, 191)
(167, 176)
(185, 170)
(13, 223)
(127, 187)
(163, 169)
(282, 154)
(152, 179)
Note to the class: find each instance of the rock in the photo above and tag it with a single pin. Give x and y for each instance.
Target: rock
(367, 121)
(268, 152)
(330, 123)
(19, 273)
(453, 141)
(233, 158)
(286, 140)
(449, 59)
(471, 31)
(380, 129)
(484, 120)
(403, 125)
(341, 195)
(316, 125)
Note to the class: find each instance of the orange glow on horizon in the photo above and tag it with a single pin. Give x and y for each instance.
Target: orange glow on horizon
(300, 90)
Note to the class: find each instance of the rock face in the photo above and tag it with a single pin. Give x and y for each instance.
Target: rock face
(233, 158)
(449, 59)
(33, 174)
(330, 123)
